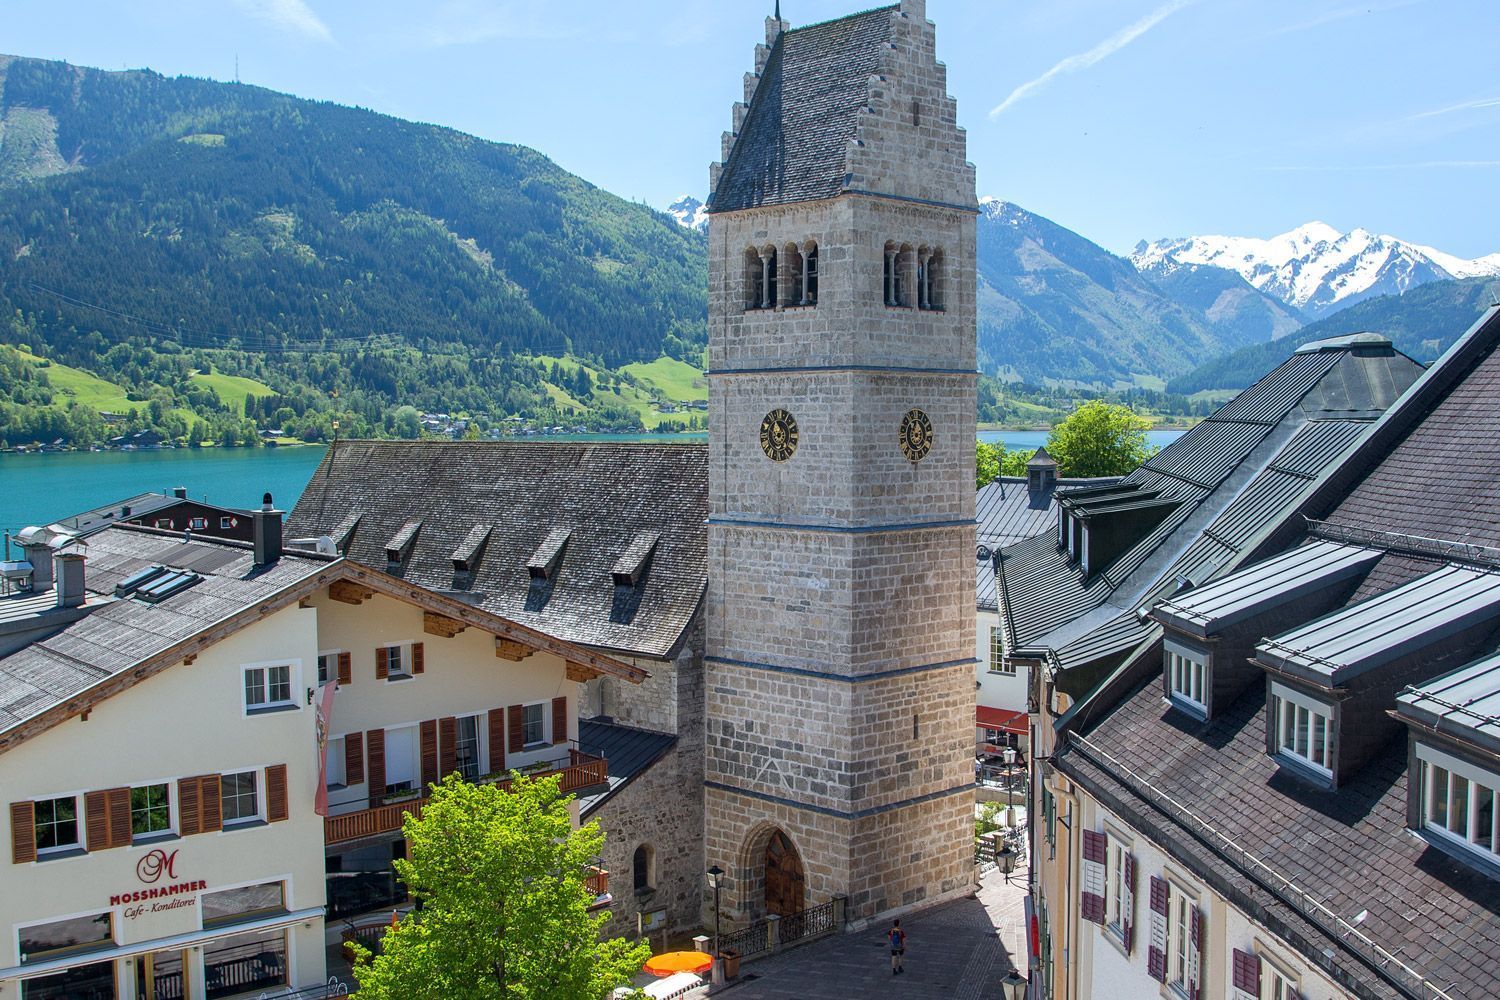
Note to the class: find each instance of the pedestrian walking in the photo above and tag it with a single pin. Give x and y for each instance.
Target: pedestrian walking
(898, 948)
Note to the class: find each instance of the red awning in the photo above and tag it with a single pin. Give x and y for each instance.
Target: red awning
(1002, 719)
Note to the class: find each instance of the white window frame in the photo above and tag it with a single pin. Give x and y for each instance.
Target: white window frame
(544, 707)
(197, 524)
(1284, 705)
(336, 777)
(332, 656)
(171, 828)
(43, 853)
(481, 738)
(1187, 680)
(294, 680)
(1275, 982)
(1475, 778)
(1181, 905)
(1116, 848)
(402, 651)
(229, 824)
(225, 523)
(999, 663)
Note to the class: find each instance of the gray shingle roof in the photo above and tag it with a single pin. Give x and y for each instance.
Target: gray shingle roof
(605, 496)
(805, 110)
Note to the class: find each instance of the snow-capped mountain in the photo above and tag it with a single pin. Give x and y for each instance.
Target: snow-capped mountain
(1315, 268)
(690, 213)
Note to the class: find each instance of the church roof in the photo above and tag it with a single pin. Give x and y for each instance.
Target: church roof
(563, 519)
(792, 143)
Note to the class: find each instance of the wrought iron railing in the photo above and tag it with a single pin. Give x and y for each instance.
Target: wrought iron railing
(748, 941)
(813, 922)
(328, 991)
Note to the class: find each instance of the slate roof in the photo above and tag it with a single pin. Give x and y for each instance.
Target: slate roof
(120, 633)
(1009, 511)
(805, 110)
(604, 495)
(1229, 477)
(629, 751)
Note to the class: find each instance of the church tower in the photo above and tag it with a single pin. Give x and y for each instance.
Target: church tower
(839, 679)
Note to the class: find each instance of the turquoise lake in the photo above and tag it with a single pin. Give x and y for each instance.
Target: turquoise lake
(37, 489)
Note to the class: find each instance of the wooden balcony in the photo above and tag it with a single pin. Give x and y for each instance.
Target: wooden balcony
(582, 771)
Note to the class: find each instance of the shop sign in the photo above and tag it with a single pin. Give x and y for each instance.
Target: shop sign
(161, 891)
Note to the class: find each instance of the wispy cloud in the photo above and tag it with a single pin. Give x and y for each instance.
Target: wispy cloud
(1453, 109)
(1339, 14)
(468, 22)
(1098, 53)
(293, 15)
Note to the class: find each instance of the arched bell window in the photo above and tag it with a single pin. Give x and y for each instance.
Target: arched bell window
(643, 869)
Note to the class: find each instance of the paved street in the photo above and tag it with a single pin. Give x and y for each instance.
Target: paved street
(958, 951)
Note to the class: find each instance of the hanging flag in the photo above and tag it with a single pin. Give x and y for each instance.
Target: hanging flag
(325, 719)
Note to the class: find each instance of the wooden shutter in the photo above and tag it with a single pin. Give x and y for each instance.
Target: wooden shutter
(1156, 950)
(375, 755)
(382, 662)
(417, 664)
(276, 807)
(22, 833)
(516, 720)
(1095, 860)
(429, 753)
(497, 739)
(188, 809)
(119, 817)
(1127, 902)
(559, 720)
(346, 669)
(96, 820)
(1245, 975)
(211, 794)
(1195, 952)
(354, 758)
(448, 742)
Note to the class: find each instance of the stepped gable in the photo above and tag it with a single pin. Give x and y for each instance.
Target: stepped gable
(562, 517)
(1222, 486)
(805, 109)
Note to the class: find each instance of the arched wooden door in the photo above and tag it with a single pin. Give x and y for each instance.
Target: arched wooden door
(784, 878)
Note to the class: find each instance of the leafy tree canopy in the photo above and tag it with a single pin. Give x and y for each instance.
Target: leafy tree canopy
(500, 875)
(993, 460)
(1100, 439)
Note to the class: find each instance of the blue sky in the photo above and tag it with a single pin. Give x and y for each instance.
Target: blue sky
(1121, 119)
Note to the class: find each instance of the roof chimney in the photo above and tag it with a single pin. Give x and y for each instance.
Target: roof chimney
(267, 524)
(180, 492)
(70, 588)
(36, 543)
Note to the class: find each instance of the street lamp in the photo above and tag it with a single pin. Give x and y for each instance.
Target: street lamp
(1009, 756)
(1005, 859)
(1013, 986)
(716, 882)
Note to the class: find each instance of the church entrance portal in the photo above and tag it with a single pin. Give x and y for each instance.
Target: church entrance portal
(784, 878)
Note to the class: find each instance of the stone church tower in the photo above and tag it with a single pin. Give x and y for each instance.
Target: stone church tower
(839, 679)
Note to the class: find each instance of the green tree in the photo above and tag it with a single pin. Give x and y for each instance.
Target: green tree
(1013, 462)
(500, 875)
(1100, 439)
(986, 464)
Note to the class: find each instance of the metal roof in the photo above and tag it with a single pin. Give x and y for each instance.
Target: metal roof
(1121, 635)
(628, 751)
(1287, 577)
(1464, 703)
(1332, 649)
(1009, 511)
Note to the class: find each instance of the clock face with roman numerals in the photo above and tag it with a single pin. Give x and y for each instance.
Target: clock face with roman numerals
(778, 435)
(916, 435)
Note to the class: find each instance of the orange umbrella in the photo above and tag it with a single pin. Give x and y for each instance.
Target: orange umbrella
(672, 962)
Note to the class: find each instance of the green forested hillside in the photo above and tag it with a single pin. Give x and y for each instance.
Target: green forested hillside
(163, 233)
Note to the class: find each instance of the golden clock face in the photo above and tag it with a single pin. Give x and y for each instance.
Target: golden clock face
(916, 435)
(778, 435)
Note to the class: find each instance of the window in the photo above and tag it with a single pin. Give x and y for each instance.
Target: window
(466, 746)
(998, 662)
(226, 523)
(150, 811)
(1458, 801)
(43, 942)
(760, 274)
(1302, 729)
(1119, 898)
(395, 663)
(643, 868)
(237, 797)
(928, 286)
(895, 279)
(164, 522)
(268, 687)
(56, 824)
(328, 667)
(1276, 984)
(810, 278)
(245, 963)
(96, 980)
(1186, 676)
(198, 523)
(335, 778)
(533, 725)
(1182, 941)
(248, 902)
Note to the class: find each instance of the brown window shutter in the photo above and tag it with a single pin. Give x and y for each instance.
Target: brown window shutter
(211, 794)
(516, 720)
(559, 720)
(119, 817)
(448, 742)
(382, 662)
(276, 810)
(96, 820)
(375, 756)
(429, 753)
(497, 739)
(188, 812)
(346, 669)
(22, 833)
(417, 666)
(354, 759)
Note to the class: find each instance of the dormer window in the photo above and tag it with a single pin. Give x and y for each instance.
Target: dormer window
(1301, 729)
(1187, 679)
(1458, 802)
